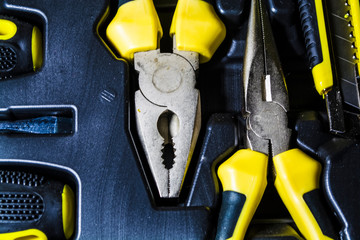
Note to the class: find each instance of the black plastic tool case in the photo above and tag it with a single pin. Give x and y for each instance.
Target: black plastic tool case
(103, 160)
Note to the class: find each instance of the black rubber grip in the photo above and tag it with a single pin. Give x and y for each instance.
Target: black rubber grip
(316, 203)
(310, 29)
(231, 207)
(15, 53)
(29, 200)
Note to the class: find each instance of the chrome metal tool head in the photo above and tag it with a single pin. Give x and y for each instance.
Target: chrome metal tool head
(266, 100)
(168, 114)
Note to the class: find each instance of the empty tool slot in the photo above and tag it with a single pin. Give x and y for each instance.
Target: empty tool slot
(38, 120)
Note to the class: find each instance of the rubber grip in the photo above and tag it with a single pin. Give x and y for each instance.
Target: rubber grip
(30, 234)
(297, 176)
(20, 47)
(135, 28)
(311, 33)
(197, 28)
(315, 201)
(39, 203)
(316, 41)
(243, 177)
(231, 207)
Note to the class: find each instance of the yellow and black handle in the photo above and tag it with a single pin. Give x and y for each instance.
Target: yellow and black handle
(298, 184)
(243, 177)
(33, 206)
(136, 28)
(316, 42)
(20, 47)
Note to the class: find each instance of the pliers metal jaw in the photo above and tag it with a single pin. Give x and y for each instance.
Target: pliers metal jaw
(266, 101)
(167, 107)
(244, 175)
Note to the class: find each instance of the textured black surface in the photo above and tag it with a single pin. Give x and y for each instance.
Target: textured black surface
(29, 205)
(8, 58)
(335, 111)
(340, 159)
(23, 178)
(15, 53)
(78, 70)
(20, 207)
(113, 192)
(311, 31)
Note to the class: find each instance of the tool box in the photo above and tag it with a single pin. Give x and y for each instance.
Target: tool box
(70, 148)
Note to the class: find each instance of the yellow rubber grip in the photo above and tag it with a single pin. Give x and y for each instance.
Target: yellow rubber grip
(37, 48)
(8, 29)
(68, 211)
(297, 174)
(197, 28)
(245, 172)
(30, 234)
(135, 28)
(322, 72)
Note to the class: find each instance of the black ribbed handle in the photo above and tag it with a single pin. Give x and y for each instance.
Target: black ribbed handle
(311, 33)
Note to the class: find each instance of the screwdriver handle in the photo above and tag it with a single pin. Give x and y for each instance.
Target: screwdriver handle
(35, 207)
(297, 182)
(316, 42)
(243, 177)
(135, 28)
(20, 47)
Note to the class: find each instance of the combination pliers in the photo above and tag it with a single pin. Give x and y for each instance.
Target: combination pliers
(167, 104)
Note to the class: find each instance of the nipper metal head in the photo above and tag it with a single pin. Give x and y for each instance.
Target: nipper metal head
(168, 114)
(266, 100)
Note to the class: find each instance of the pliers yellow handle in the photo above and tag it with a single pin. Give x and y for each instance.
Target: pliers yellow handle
(136, 28)
(244, 175)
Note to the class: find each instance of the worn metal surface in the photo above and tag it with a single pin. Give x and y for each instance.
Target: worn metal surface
(266, 101)
(167, 110)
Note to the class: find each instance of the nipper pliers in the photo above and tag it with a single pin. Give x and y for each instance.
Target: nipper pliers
(167, 104)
